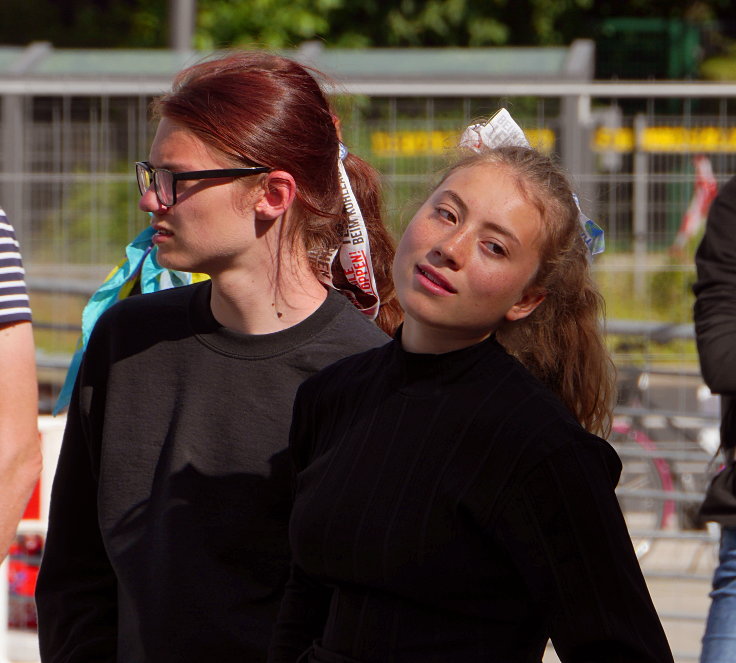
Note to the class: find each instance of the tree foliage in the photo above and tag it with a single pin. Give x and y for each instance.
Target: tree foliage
(346, 23)
(84, 23)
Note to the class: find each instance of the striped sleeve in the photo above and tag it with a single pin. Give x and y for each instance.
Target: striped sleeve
(14, 306)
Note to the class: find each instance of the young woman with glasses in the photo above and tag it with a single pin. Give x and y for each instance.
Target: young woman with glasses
(453, 503)
(167, 536)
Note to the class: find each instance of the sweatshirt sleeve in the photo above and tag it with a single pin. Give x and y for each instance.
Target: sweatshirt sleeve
(76, 592)
(306, 600)
(301, 618)
(715, 292)
(563, 527)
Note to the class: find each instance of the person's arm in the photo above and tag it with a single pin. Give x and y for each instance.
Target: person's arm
(20, 449)
(301, 618)
(715, 292)
(76, 592)
(564, 530)
(306, 601)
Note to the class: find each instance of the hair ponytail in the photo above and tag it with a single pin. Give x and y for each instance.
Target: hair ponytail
(562, 343)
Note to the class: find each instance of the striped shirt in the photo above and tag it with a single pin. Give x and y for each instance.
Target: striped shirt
(14, 306)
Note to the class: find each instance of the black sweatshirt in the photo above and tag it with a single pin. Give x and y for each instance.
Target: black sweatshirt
(450, 510)
(167, 537)
(715, 331)
(715, 306)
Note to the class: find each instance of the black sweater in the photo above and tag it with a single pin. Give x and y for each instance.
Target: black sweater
(167, 538)
(449, 509)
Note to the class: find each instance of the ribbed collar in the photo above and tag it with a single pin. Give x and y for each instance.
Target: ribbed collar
(258, 346)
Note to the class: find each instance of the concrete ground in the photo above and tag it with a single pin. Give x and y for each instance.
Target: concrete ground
(682, 602)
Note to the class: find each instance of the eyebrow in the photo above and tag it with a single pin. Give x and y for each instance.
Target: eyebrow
(173, 167)
(486, 224)
(457, 200)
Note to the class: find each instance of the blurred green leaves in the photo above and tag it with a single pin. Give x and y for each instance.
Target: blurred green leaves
(343, 23)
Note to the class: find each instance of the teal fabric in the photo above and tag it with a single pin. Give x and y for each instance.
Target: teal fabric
(140, 260)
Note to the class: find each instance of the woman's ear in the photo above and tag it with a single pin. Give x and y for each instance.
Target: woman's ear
(278, 190)
(526, 305)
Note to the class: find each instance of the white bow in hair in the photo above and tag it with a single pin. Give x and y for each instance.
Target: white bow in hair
(499, 131)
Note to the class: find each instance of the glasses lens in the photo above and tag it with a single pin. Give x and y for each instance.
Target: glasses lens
(143, 175)
(164, 183)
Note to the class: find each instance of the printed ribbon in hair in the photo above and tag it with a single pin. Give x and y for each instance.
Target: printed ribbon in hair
(499, 131)
(502, 131)
(354, 251)
(139, 265)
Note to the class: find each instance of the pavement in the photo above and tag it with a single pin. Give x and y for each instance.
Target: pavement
(682, 602)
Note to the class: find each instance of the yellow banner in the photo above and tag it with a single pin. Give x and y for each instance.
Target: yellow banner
(605, 139)
(438, 143)
(667, 139)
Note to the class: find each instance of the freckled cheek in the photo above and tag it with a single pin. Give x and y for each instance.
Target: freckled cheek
(406, 257)
(408, 246)
(489, 288)
(399, 266)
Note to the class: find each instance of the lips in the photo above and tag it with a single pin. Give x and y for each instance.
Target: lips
(162, 231)
(434, 281)
(161, 236)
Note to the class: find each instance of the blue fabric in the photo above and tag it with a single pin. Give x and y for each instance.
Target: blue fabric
(140, 260)
(590, 231)
(719, 641)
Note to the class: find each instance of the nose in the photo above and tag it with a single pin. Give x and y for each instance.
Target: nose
(149, 202)
(451, 248)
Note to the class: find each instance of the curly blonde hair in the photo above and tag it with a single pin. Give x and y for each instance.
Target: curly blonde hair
(561, 341)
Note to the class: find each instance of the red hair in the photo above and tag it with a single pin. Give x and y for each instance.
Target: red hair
(259, 108)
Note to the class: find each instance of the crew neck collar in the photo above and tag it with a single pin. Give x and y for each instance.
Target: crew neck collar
(257, 346)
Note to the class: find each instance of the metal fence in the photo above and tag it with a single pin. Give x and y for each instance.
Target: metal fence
(633, 150)
(67, 183)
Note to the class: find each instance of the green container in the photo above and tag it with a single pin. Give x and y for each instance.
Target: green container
(646, 48)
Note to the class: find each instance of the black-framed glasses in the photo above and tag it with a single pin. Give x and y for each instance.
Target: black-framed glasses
(164, 181)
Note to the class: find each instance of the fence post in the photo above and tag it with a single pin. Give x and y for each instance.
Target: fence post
(13, 126)
(14, 149)
(639, 228)
(182, 19)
